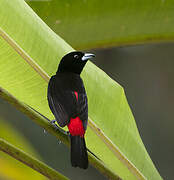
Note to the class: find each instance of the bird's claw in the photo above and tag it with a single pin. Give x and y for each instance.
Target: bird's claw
(53, 122)
(68, 133)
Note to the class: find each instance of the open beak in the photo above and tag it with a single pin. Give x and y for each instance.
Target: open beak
(87, 56)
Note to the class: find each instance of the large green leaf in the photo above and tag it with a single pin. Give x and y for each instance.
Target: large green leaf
(22, 31)
(95, 23)
(10, 168)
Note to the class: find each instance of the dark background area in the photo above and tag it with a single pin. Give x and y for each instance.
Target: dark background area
(146, 73)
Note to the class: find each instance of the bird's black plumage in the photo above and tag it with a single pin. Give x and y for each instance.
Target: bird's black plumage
(62, 100)
(67, 106)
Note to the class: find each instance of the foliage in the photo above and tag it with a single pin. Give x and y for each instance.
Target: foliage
(93, 24)
(30, 52)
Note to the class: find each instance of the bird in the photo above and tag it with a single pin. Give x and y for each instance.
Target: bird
(68, 102)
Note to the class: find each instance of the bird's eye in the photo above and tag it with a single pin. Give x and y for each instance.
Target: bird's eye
(76, 56)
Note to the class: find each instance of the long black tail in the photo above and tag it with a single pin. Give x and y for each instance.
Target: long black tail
(79, 156)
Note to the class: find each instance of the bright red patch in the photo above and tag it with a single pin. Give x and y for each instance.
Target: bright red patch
(76, 95)
(76, 127)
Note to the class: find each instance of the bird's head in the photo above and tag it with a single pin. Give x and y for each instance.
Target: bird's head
(74, 62)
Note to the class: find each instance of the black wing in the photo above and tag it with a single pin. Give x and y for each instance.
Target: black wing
(62, 99)
(83, 108)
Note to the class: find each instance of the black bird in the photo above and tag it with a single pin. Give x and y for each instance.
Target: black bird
(68, 102)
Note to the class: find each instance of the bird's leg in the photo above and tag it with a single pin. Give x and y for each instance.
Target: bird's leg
(68, 133)
(53, 122)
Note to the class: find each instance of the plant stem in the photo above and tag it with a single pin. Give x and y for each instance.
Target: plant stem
(30, 161)
(44, 123)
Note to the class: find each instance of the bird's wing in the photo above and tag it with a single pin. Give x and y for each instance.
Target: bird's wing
(63, 101)
(83, 108)
(58, 100)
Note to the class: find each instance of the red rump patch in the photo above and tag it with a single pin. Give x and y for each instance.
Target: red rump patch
(76, 95)
(76, 127)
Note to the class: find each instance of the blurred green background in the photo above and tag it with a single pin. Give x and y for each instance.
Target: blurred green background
(146, 73)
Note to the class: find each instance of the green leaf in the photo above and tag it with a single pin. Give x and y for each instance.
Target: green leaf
(92, 24)
(30, 161)
(7, 164)
(57, 132)
(25, 38)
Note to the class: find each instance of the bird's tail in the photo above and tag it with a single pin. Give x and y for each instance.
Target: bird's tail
(79, 156)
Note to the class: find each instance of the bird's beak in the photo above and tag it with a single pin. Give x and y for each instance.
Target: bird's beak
(87, 56)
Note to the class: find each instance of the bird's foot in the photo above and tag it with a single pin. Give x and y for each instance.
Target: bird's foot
(53, 122)
(68, 133)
